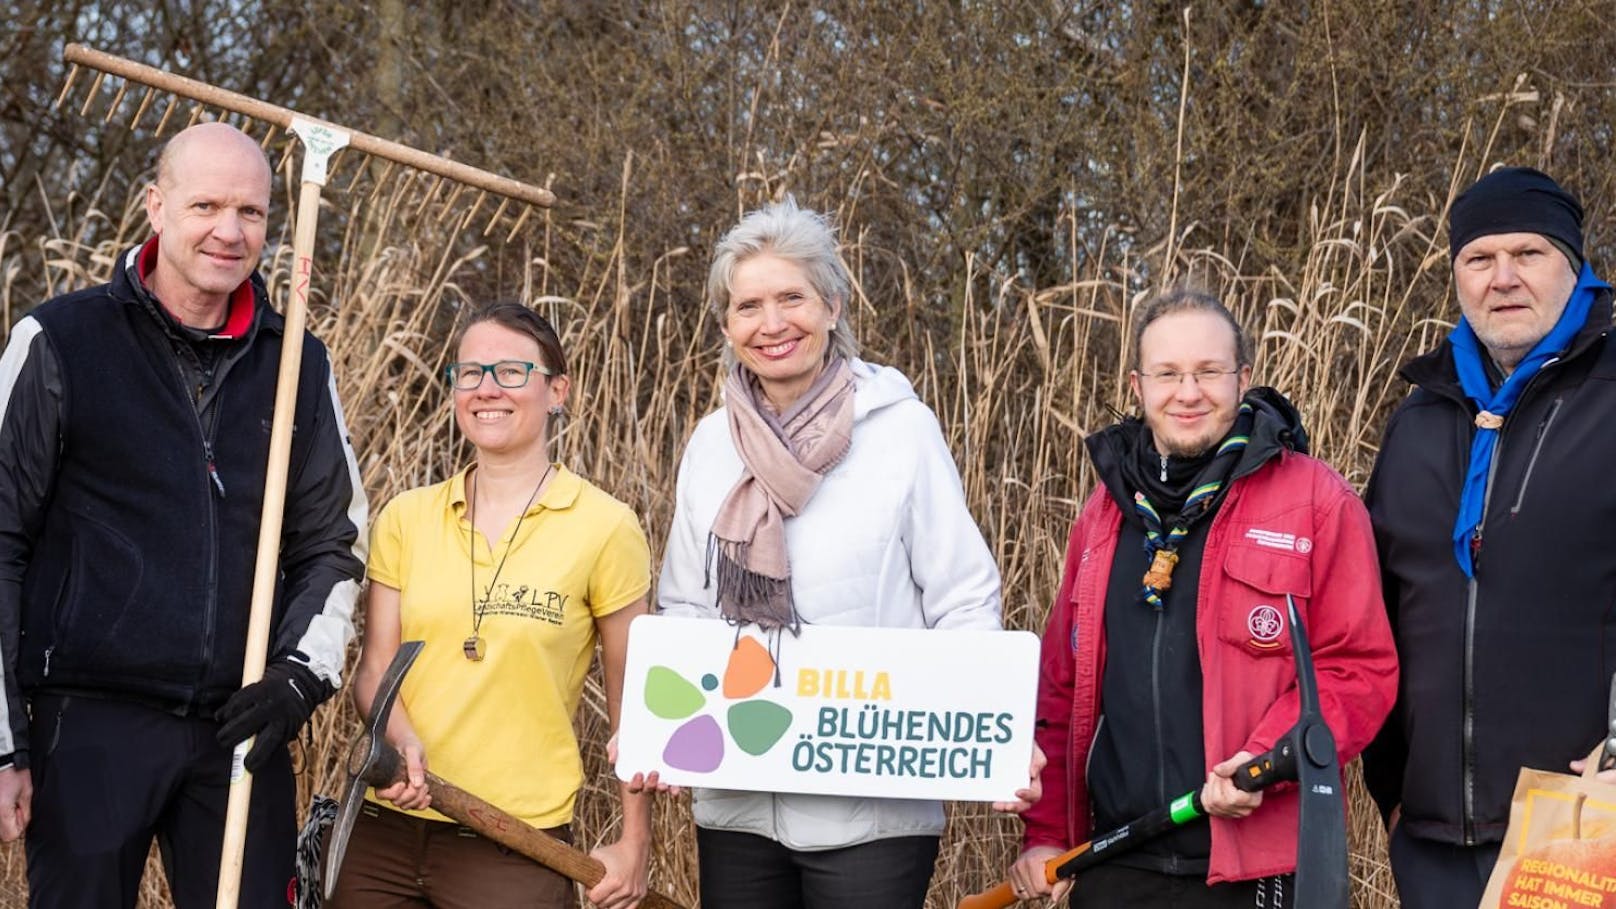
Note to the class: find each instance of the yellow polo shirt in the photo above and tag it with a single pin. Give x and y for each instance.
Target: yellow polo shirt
(502, 728)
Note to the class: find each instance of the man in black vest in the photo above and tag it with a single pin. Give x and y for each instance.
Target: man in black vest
(1492, 506)
(134, 438)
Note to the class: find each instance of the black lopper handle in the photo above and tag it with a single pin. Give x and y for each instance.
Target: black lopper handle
(1268, 768)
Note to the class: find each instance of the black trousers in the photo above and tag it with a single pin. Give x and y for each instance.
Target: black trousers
(1433, 875)
(744, 871)
(1104, 886)
(110, 775)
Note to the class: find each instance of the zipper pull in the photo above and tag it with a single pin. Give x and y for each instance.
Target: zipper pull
(213, 469)
(1475, 548)
(48, 651)
(1163, 468)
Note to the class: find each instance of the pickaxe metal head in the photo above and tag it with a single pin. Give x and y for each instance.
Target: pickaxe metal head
(1306, 754)
(1321, 837)
(370, 757)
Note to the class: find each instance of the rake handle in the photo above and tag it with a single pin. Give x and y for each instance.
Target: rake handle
(267, 560)
(214, 96)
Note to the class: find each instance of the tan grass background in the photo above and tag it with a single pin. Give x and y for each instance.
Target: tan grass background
(1016, 379)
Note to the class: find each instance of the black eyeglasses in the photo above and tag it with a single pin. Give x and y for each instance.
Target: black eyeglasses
(1172, 378)
(506, 373)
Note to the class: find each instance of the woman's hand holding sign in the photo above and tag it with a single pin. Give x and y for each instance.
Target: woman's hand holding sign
(1026, 798)
(639, 782)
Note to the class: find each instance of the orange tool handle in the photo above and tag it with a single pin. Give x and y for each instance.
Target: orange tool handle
(997, 898)
(1002, 895)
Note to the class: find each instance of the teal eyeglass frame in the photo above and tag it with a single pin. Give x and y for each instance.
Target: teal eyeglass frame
(459, 374)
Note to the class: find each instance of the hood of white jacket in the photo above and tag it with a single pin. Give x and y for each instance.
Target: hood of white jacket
(877, 387)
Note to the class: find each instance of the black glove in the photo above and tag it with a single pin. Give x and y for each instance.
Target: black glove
(273, 708)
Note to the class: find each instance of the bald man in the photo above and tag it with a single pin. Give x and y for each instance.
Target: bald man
(134, 436)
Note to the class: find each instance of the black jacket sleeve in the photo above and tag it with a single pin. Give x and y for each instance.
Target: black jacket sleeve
(1387, 754)
(322, 536)
(31, 398)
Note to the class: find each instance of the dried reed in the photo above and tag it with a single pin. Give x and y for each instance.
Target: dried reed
(1018, 375)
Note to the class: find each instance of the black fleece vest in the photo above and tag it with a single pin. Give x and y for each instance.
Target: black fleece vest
(140, 581)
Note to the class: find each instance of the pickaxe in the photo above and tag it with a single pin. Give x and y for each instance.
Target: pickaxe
(1305, 754)
(374, 762)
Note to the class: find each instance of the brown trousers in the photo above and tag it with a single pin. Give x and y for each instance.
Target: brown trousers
(395, 860)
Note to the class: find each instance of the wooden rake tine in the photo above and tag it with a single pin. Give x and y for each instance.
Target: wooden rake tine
(320, 140)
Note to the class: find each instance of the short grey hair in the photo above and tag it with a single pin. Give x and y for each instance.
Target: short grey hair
(798, 235)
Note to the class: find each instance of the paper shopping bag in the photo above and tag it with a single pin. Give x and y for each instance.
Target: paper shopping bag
(1560, 851)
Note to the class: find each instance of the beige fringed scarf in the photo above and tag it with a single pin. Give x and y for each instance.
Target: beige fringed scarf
(784, 459)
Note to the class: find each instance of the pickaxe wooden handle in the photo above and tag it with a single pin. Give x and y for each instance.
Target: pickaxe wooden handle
(374, 762)
(488, 821)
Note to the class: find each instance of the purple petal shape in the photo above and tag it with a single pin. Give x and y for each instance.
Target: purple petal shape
(697, 746)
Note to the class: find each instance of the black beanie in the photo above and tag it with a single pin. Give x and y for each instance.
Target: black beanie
(1517, 200)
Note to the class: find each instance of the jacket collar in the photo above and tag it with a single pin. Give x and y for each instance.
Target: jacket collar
(1277, 428)
(563, 491)
(249, 303)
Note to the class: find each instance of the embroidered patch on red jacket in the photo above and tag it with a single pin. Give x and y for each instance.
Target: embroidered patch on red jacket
(1274, 539)
(1265, 624)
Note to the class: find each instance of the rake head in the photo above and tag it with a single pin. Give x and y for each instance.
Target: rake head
(437, 186)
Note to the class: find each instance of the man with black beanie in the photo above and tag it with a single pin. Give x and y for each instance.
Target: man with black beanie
(1489, 497)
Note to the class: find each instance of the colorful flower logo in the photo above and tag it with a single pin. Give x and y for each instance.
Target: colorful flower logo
(754, 725)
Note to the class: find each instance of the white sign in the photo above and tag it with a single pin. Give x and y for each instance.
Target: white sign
(892, 712)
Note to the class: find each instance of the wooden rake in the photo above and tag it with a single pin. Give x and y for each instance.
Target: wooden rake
(320, 141)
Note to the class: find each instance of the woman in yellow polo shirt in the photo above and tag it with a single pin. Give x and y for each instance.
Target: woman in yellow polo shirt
(509, 571)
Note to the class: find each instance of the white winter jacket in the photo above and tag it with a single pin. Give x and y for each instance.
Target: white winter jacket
(886, 540)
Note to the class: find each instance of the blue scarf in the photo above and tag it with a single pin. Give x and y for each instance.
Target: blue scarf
(1468, 355)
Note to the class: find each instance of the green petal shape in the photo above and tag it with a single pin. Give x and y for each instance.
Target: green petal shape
(669, 696)
(757, 725)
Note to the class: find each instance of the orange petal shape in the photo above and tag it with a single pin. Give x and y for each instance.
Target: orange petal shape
(750, 669)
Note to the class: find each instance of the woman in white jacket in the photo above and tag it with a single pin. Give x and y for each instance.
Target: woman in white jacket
(821, 493)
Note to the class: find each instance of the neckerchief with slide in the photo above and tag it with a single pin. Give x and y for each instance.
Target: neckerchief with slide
(1494, 405)
(1162, 543)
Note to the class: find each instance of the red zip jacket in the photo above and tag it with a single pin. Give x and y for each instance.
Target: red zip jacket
(1294, 526)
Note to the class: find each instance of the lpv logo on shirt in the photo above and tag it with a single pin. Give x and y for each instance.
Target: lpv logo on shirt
(754, 725)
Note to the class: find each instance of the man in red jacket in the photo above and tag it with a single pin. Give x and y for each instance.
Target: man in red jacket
(1166, 661)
